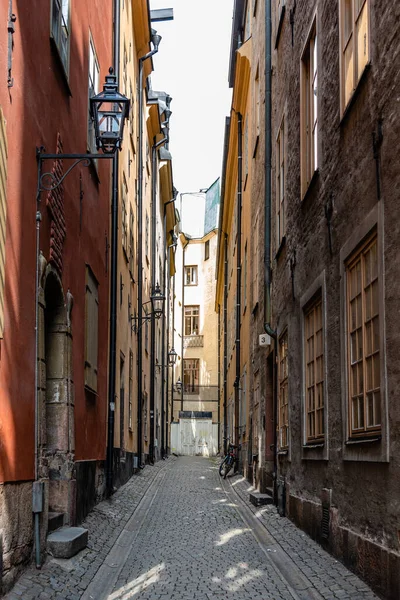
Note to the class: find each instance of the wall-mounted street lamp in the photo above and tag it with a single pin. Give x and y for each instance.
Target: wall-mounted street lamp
(109, 110)
(172, 356)
(179, 385)
(157, 300)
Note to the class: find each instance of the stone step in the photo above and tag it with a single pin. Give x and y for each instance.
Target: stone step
(56, 520)
(260, 499)
(67, 542)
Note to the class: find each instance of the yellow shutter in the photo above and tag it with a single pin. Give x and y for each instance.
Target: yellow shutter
(3, 213)
(91, 330)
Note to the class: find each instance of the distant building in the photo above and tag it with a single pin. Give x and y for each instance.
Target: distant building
(195, 426)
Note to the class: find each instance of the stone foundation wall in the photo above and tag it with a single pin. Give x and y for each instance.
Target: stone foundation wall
(378, 566)
(17, 530)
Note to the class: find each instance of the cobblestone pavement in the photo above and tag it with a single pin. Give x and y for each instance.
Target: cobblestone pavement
(327, 575)
(67, 579)
(193, 537)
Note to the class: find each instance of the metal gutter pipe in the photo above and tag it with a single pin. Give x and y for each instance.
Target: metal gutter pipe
(140, 257)
(113, 282)
(154, 149)
(267, 205)
(238, 276)
(225, 341)
(219, 378)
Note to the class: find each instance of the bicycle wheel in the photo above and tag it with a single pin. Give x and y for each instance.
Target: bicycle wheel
(228, 467)
(222, 467)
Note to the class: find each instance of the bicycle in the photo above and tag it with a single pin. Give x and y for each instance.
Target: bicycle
(229, 460)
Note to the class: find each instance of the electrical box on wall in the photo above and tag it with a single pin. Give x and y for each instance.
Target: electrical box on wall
(264, 340)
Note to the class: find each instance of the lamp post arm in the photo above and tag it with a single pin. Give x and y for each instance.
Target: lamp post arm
(47, 182)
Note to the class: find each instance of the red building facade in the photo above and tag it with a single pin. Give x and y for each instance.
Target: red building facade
(53, 345)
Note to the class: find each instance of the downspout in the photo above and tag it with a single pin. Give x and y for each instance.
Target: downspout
(167, 282)
(183, 316)
(154, 149)
(238, 281)
(225, 342)
(140, 257)
(219, 378)
(267, 205)
(113, 282)
(37, 488)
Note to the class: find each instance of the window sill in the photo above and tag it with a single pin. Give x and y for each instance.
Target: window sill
(364, 440)
(91, 392)
(310, 186)
(280, 24)
(355, 94)
(281, 247)
(314, 446)
(283, 452)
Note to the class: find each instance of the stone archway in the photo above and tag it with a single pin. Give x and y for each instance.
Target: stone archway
(57, 404)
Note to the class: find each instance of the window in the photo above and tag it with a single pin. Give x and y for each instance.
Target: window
(245, 277)
(257, 100)
(255, 262)
(191, 275)
(192, 320)
(147, 234)
(94, 76)
(91, 330)
(146, 331)
(247, 26)
(363, 340)
(131, 244)
(60, 30)
(207, 250)
(191, 375)
(283, 392)
(124, 219)
(309, 110)
(279, 16)
(314, 370)
(354, 45)
(121, 402)
(3, 214)
(243, 405)
(130, 423)
(280, 184)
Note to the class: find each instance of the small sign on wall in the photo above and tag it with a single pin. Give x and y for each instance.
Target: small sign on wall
(264, 340)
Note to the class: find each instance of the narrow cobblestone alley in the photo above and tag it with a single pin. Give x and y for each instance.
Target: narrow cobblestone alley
(179, 532)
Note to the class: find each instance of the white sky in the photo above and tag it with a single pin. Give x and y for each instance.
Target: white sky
(192, 67)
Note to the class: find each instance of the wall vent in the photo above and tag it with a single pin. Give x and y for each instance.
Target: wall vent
(325, 522)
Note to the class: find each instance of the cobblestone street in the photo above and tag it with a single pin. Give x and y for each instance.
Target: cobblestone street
(178, 532)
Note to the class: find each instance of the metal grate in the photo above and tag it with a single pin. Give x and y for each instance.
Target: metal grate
(325, 522)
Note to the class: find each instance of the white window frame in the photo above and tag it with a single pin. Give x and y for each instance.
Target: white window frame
(64, 27)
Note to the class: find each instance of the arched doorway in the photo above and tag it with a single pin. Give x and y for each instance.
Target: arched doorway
(58, 409)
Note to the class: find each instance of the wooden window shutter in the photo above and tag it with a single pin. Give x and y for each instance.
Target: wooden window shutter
(92, 331)
(3, 213)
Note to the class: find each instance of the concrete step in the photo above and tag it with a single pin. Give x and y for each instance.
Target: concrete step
(56, 520)
(260, 499)
(67, 542)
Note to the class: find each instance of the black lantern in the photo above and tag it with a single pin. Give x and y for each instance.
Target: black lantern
(157, 302)
(109, 109)
(172, 356)
(178, 385)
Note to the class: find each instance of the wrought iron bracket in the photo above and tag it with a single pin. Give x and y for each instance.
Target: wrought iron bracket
(48, 181)
(137, 322)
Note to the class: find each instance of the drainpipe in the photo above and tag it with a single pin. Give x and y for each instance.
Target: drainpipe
(37, 489)
(184, 245)
(238, 280)
(140, 255)
(219, 378)
(167, 283)
(154, 149)
(113, 282)
(225, 342)
(267, 206)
